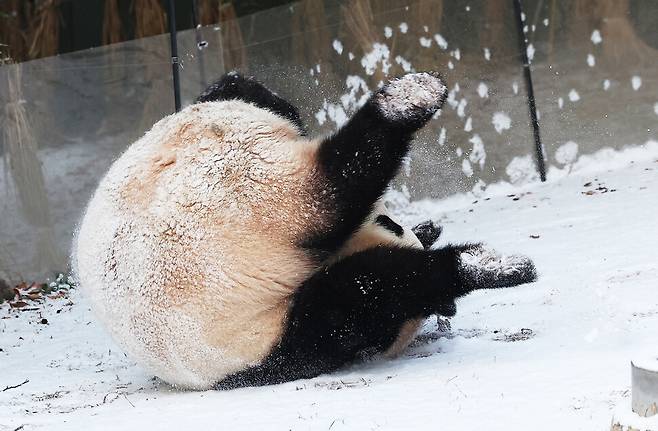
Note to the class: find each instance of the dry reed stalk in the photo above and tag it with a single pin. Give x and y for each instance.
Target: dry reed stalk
(429, 13)
(112, 28)
(13, 25)
(496, 35)
(359, 21)
(7, 261)
(44, 30)
(622, 45)
(150, 18)
(425, 13)
(208, 12)
(360, 24)
(233, 50)
(22, 162)
(551, 31)
(311, 40)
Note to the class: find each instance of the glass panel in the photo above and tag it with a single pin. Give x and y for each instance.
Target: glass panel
(85, 108)
(595, 71)
(80, 111)
(326, 56)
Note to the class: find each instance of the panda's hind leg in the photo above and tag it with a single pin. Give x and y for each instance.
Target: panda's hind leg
(359, 305)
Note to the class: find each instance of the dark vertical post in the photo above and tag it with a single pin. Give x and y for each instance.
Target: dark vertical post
(523, 47)
(174, 53)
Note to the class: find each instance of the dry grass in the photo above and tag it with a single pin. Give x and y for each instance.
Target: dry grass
(22, 164)
(12, 28)
(359, 21)
(150, 18)
(233, 49)
(233, 52)
(209, 11)
(311, 41)
(44, 30)
(112, 28)
(30, 29)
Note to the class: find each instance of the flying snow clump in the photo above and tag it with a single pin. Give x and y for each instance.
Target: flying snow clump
(442, 134)
(443, 44)
(478, 155)
(379, 53)
(501, 121)
(467, 169)
(566, 153)
(521, 170)
(483, 90)
(591, 61)
(461, 107)
(596, 37)
(636, 82)
(406, 65)
(338, 46)
(531, 52)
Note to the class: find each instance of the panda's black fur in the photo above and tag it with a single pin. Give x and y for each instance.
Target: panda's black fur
(357, 300)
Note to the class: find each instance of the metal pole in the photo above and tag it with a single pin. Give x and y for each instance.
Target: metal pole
(532, 108)
(174, 53)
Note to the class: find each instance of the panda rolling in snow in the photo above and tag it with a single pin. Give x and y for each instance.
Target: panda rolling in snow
(225, 249)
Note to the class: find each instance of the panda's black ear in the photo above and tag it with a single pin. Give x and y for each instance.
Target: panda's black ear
(236, 86)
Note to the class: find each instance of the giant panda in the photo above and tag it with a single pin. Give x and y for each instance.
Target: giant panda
(225, 248)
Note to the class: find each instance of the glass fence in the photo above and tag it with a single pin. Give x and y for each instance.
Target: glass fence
(594, 65)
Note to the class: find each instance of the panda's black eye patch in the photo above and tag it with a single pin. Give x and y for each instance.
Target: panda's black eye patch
(387, 223)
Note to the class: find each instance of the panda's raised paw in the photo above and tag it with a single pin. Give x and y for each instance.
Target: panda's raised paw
(413, 97)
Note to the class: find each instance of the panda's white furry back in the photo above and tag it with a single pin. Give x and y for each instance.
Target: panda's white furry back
(190, 249)
(190, 228)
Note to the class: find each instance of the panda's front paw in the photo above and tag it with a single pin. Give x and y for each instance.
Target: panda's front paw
(483, 268)
(412, 99)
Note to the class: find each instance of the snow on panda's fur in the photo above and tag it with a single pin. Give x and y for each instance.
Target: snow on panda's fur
(204, 245)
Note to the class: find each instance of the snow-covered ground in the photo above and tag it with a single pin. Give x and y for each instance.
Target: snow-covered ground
(552, 355)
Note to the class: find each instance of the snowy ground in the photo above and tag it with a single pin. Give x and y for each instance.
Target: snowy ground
(552, 355)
